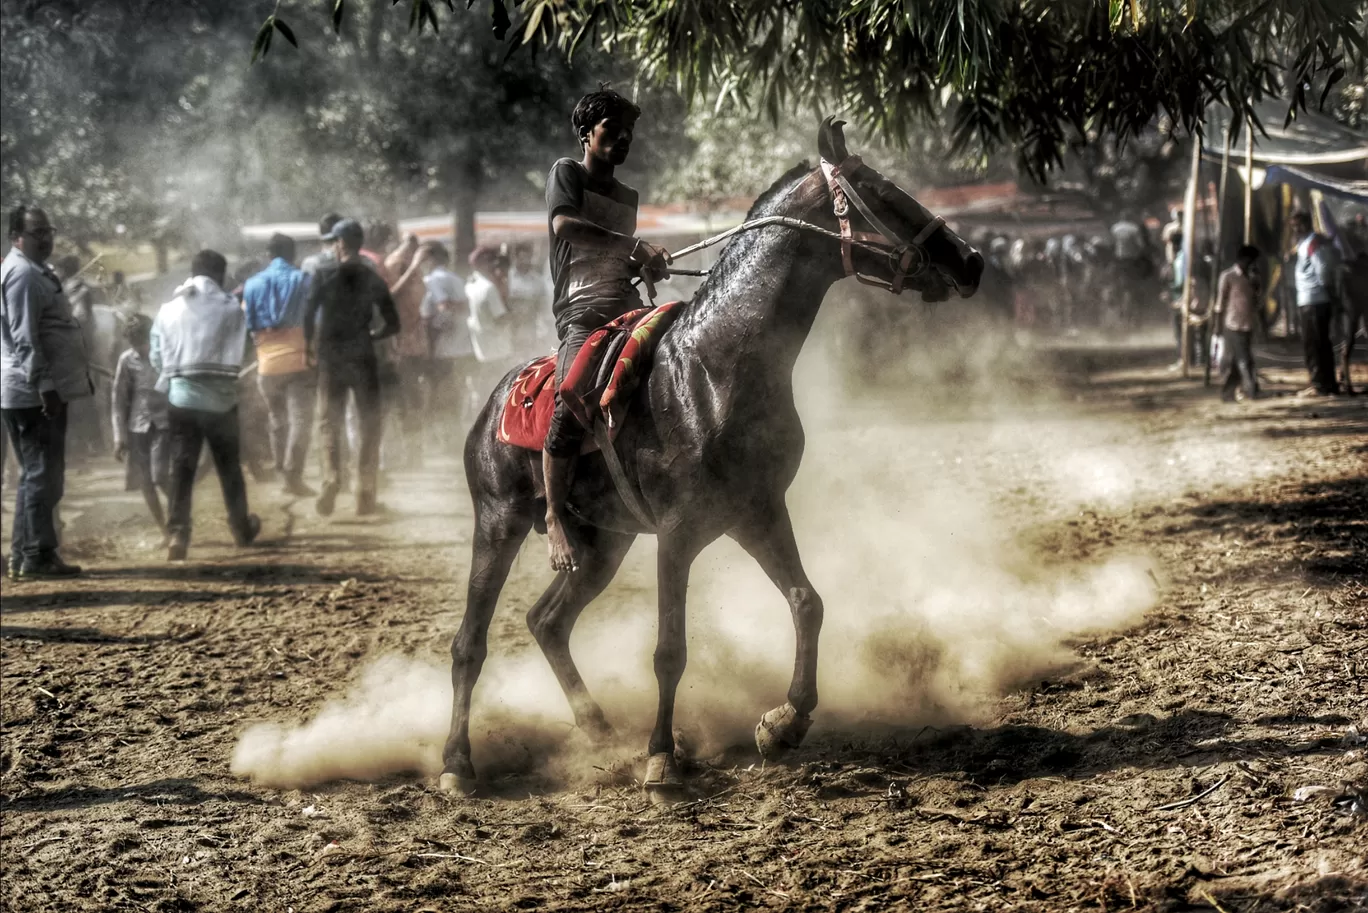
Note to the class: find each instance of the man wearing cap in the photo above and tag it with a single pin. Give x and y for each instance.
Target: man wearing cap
(343, 298)
(314, 262)
(43, 368)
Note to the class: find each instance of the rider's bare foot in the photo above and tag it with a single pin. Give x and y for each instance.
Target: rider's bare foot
(562, 552)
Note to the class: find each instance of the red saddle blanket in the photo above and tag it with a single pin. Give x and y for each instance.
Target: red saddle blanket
(600, 381)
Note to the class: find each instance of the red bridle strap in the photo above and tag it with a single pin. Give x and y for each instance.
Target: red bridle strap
(902, 253)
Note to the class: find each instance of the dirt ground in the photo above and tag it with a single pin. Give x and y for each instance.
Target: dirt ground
(1167, 769)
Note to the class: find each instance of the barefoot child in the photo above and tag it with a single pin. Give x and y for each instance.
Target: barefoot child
(140, 422)
(594, 256)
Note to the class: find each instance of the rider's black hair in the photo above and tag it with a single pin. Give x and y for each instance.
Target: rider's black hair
(597, 106)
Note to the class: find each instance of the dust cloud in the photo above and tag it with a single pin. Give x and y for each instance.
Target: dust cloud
(913, 532)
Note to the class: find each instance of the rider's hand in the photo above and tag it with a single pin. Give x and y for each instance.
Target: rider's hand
(52, 403)
(120, 451)
(654, 261)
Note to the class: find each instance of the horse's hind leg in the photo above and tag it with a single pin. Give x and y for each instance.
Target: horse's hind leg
(769, 540)
(555, 613)
(499, 531)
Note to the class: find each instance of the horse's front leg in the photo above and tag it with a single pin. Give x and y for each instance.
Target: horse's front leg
(675, 557)
(769, 540)
(499, 532)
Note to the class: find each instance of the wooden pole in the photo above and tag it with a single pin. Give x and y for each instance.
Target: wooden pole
(1220, 240)
(1189, 247)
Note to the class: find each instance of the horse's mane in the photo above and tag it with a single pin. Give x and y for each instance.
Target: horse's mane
(735, 249)
(777, 189)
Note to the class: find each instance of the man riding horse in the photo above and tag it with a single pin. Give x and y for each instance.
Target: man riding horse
(710, 438)
(594, 258)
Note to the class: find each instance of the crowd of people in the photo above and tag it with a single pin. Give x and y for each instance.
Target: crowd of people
(363, 336)
(373, 333)
(1122, 279)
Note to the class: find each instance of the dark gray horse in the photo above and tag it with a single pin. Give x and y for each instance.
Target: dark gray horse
(711, 442)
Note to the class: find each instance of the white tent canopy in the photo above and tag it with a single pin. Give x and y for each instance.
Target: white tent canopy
(1311, 139)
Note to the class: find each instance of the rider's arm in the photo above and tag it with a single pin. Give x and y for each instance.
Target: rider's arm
(579, 231)
(565, 207)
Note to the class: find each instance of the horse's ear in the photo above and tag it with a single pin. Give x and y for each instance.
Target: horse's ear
(831, 140)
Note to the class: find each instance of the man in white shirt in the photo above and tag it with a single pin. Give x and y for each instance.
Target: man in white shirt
(487, 296)
(1316, 275)
(445, 312)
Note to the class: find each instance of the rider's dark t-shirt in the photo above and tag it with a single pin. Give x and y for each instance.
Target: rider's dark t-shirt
(592, 287)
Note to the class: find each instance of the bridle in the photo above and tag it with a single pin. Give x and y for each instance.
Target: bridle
(909, 258)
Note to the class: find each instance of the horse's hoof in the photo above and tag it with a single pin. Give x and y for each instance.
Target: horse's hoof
(663, 783)
(779, 730)
(455, 784)
(458, 778)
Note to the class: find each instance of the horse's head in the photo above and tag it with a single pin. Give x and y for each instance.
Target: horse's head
(888, 238)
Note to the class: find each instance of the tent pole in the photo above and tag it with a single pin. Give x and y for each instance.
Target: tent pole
(1220, 240)
(1249, 180)
(1189, 247)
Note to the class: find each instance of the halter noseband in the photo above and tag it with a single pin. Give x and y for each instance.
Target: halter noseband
(909, 257)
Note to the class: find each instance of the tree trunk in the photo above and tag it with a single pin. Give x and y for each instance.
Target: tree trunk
(163, 258)
(465, 200)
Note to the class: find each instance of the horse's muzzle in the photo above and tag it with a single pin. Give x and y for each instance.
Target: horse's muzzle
(973, 272)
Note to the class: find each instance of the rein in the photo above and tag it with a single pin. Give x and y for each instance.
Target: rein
(909, 257)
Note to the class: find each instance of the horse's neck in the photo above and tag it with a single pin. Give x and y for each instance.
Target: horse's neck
(758, 318)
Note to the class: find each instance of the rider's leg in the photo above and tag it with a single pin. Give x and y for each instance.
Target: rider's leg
(557, 472)
(562, 446)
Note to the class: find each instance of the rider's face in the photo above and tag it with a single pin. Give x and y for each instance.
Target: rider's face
(611, 139)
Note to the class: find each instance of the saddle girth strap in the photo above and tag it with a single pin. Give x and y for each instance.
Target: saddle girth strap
(619, 475)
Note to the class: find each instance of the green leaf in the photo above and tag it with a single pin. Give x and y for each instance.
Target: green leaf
(501, 21)
(262, 44)
(1335, 76)
(338, 8)
(285, 31)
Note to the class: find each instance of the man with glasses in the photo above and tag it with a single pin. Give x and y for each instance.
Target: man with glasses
(43, 367)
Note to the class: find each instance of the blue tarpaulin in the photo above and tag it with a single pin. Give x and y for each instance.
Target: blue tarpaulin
(1296, 177)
